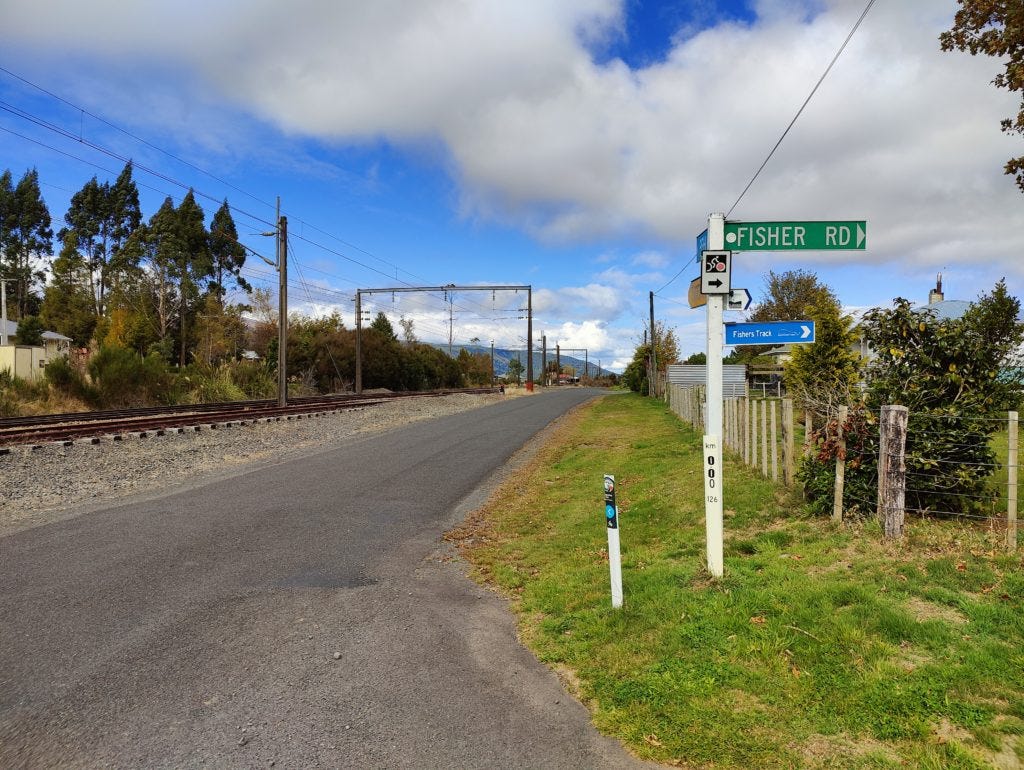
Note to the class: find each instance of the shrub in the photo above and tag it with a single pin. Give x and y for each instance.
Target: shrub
(124, 379)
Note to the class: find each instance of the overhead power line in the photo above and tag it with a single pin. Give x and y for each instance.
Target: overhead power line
(799, 112)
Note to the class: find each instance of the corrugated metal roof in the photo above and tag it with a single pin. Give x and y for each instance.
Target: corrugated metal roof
(734, 377)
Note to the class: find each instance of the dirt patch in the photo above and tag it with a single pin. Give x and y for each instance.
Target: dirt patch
(924, 610)
(821, 751)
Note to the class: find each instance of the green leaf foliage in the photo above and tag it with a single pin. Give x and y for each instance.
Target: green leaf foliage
(957, 377)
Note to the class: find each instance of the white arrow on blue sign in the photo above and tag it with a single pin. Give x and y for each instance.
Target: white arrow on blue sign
(769, 333)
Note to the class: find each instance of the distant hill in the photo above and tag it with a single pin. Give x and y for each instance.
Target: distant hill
(503, 355)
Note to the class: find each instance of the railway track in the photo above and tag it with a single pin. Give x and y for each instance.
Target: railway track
(69, 427)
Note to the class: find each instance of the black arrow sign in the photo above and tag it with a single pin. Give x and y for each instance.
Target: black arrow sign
(716, 283)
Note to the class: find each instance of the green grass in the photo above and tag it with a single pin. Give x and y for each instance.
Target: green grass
(821, 646)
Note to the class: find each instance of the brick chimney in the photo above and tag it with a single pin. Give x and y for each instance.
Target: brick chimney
(936, 295)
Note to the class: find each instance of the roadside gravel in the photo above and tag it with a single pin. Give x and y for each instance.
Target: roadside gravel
(55, 482)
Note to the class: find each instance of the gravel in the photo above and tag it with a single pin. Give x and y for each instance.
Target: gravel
(56, 482)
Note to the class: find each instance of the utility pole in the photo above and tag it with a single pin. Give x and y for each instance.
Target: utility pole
(654, 353)
(282, 319)
(558, 364)
(529, 339)
(451, 319)
(3, 310)
(544, 358)
(359, 343)
(586, 364)
(492, 362)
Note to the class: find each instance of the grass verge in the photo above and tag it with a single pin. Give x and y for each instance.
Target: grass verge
(822, 646)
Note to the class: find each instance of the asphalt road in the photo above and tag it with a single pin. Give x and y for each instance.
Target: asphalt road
(304, 614)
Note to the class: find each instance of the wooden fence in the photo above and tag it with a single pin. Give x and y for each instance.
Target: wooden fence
(757, 430)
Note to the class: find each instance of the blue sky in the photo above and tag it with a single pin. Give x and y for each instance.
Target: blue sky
(574, 146)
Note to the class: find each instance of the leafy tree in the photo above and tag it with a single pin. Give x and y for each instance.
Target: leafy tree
(26, 238)
(822, 375)
(515, 370)
(30, 331)
(407, 330)
(475, 367)
(697, 359)
(788, 296)
(220, 332)
(227, 254)
(636, 374)
(995, 28)
(955, 377)
(264, 314)
(67, 304)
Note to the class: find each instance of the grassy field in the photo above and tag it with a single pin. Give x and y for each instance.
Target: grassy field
(821, 646)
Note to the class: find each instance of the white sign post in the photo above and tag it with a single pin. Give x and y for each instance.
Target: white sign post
(611, 514)
(712, 441)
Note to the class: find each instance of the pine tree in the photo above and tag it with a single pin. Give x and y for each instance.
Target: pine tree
(103, 217)
(226, 252)
(193, 266)
(67, 304)
(30, 240)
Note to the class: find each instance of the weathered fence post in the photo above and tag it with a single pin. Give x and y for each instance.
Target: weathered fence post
(837, 498)
(1011, 483)
(892, 469)
(774, 444)
(787, 442)
(752, 462)
(764, 438)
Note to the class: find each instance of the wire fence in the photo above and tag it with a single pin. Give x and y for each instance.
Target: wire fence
(941, 465)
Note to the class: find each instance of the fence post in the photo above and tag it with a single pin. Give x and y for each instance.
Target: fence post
(774, 444)
(752, 460)
(1011, 483)
(892, 469)
(764, 438)
(837, 499)
(787, 442)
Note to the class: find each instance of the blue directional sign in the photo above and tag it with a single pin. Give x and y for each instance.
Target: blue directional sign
(769, 333)
(702, 242)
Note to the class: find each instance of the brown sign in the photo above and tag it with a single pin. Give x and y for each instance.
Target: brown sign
(694, 296)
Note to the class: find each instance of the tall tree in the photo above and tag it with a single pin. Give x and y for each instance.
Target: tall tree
(193, 265)
(7, 215)
(995, 28)
(227, 254)
(102, 217)
(822, 375)
(30, 239)
(67, 304)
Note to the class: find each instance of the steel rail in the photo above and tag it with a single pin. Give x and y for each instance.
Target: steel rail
(76, 425)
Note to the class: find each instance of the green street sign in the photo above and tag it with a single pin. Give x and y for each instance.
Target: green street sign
(796, 236)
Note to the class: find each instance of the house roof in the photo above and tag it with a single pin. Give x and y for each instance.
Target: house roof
(947, 309)
(12, 331)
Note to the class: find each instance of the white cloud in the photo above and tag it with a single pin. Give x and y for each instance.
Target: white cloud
(541, 136)
(900, 133)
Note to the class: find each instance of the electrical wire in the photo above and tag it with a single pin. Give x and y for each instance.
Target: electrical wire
(799, 112)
